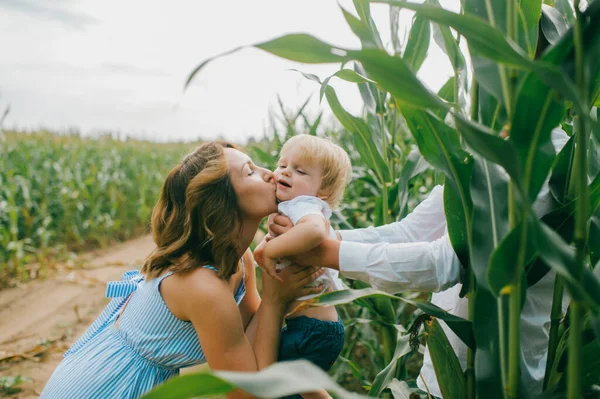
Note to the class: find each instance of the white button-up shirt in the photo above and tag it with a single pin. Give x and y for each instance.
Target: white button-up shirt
(415, 254)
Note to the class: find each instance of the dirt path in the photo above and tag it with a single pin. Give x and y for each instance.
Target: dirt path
(57, 311)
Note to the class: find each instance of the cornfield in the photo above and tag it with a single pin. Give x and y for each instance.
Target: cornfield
(485, 135)
(59, 193)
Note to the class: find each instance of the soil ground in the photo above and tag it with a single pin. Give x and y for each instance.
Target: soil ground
(41, 319)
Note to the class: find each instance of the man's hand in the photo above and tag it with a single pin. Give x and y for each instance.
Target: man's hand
(326, 254)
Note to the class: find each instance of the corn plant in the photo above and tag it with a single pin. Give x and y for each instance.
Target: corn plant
(70, 192)
(362, 207)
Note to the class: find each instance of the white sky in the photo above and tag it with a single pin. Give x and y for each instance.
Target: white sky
(121, 65)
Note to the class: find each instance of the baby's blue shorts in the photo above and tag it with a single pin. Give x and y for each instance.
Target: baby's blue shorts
(319, 341)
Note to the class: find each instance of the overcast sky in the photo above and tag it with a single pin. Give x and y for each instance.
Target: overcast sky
(121, 65)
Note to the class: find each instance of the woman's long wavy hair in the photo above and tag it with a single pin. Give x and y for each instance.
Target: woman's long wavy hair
(196, 221)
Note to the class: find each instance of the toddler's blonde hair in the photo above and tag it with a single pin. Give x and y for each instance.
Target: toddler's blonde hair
(333, 160)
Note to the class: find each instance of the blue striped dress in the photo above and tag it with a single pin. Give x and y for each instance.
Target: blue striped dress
(148, 346)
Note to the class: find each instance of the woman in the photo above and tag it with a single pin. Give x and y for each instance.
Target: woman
(197, 296)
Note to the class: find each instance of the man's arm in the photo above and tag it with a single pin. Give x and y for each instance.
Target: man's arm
(423, 266)
(309, 232)
(426, 223)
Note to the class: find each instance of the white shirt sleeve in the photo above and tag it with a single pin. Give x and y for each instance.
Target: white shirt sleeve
(426, 223)
(422, 266)
(304, 205)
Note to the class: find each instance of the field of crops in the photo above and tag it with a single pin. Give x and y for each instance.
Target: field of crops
(532, 66)
(60, 193)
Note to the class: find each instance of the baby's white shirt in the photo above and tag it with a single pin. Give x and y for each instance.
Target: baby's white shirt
(296, 209)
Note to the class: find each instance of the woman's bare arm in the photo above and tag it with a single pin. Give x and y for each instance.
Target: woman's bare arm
(209, 304)
(216, 318)
(251, 301)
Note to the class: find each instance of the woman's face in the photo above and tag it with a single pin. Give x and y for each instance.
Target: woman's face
(253, 186)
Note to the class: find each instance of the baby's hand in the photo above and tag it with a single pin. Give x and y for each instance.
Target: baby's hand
(279, 224)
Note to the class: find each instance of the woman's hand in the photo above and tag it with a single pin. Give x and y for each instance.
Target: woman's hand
(260, 248)
(295, 278)
(269, 265)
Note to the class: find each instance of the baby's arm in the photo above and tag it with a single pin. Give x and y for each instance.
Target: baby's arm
(309, 232)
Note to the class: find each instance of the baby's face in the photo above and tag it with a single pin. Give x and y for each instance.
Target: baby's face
(295, 177)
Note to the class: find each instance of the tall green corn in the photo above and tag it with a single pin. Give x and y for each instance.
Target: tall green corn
(67, 191)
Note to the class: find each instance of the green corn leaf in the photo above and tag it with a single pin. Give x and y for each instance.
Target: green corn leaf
(446, 93)
(490, 43)
(491, 111)
(561, 218)
(594, 238)
(363, 9)
(280, 379)
(447, 368)
(308, 76)
(418, 43)
(461, 327)
(560, 256)
(458, 207)
(487, 40)
(566, 10)
(361, 30)
(304, 48)
(504, 259)
(395, 76)
(531, 10)
(482, 140)
(486, 326)
(385, 376)
(537, 112)
(298, 47)
(561, 172)
(187, 386)
(354, 369)
(553, 24)
(444, 38)
(394, 18)
(489, 74)
(440, 146)
(489, 193)
(362, 136)
(351, 76)
(414, 166)
(368, 92)
(400, 389)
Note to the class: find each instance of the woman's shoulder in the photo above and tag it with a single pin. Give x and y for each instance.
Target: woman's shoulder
(198, 284)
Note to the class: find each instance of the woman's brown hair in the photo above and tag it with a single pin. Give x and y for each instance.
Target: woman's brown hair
(196, 220)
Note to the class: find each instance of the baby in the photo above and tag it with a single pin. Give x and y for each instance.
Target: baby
(311, 175)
